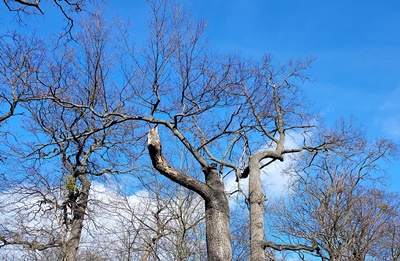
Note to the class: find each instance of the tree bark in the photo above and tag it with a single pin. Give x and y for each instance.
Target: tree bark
(79, 210)
(217, 217)
(217, 214)
(256, 198)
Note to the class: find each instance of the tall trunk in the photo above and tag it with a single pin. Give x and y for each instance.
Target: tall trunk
(258, 243)
(216, 203)
(217, 218)
(256, 199)
(77, 220)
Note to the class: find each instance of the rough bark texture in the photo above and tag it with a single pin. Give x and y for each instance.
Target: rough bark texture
(216, 203)
(256, 199)
(79, 210)
(217, 218)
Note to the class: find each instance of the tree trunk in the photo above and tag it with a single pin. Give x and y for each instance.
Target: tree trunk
(77, 220)
(217, 218)
(216, 203)
(256, 198)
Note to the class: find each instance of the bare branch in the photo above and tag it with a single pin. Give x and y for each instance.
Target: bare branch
(161, 164)
(32, 245)
(280, 247)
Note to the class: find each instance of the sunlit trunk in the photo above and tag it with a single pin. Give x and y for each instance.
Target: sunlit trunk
(256, 199)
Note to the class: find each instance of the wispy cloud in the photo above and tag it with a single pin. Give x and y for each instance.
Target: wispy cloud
(388, 114)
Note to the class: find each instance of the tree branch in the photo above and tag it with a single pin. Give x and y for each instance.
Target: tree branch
(161, 165)
(279, 247)
(33, 245)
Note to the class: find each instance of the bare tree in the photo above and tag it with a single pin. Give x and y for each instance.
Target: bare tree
(157, 220)
(187, 97)
(217, 208)
(175, 82)
(231, 116)
(388, 248)
(71, 138)
(169, 223)
(211, 104)
(274, 110)
(336, 200)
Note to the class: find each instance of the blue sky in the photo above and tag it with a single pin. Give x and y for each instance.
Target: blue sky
(356, 45)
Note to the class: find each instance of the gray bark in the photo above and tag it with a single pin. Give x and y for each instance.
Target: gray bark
(72, 244)
(217, 214)
(256, 198)
(217, 217)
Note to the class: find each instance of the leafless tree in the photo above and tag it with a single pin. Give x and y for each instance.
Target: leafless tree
(232, 117)
(71, 139)
(336, 201)
(173, 81)
(157, 220)
(188, 100)
(181, 85)
(211, 104)
(163, 223)
(275, 110)
(388, 248)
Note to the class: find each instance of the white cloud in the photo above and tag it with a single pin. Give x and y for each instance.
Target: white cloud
(388, 114)
(274, 178)
(115, 222)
